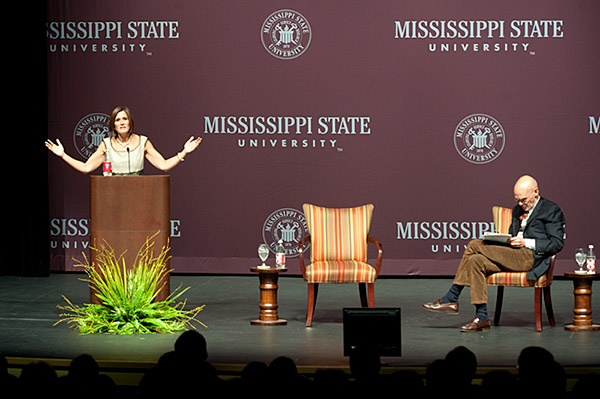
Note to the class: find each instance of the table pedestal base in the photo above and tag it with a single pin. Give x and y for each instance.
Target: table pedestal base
(582, 308)
(573, 327)
(279, 322)
(268, 315)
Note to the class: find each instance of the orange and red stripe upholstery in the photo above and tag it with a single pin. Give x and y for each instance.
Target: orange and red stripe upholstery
(516, 279)
(502, 219)
(339, 244)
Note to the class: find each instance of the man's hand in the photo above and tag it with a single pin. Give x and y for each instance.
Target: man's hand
(517, 242)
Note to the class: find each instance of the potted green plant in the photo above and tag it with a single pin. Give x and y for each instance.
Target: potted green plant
(127, 297)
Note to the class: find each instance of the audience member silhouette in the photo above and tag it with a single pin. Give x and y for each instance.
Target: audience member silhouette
(283, 367)
(253, 379)
(461, 365)
(283, 374)
(84, 369)
(255, 373)
(38, 379)
(84, 375)
(539, 374)
(192, 344)
(185, 370)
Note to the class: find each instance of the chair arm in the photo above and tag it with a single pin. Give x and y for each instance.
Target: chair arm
(301, 244)
(372, 240)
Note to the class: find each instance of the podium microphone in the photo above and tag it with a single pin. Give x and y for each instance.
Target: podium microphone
(128, 160)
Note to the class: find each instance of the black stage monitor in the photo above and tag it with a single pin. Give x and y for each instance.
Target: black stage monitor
(374, 329)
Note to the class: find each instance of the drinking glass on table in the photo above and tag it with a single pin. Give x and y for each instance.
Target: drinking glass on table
(263, 254)
(580, 257)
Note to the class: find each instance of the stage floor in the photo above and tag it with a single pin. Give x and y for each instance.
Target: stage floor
(29, 310)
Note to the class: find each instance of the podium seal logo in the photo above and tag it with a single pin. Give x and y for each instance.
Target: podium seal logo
(285, 224)
(286, 34)
(479, 138)
(89, 132)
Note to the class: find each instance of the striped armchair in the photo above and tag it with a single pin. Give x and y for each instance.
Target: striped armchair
(502, 220)
(339, 239)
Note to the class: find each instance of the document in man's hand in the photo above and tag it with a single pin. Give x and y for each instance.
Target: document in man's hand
(498, 237)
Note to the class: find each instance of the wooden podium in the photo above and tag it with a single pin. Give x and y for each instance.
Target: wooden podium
(124, 212)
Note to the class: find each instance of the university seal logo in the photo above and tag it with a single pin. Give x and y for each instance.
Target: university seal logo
(89, 132)
(288, 225)
(286, 34)
(479, 138)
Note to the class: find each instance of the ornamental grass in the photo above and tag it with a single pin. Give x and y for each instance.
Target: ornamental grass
(127, 297)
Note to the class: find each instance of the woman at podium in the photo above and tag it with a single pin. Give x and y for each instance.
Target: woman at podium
(125, 150)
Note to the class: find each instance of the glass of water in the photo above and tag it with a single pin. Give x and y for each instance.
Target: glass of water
(580, 257)
(263, 253)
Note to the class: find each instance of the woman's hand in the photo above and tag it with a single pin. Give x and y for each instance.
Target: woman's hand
(57, 148)
(191, 145)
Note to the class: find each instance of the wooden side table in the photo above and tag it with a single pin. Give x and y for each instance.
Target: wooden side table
(582, 311)
(268, 315)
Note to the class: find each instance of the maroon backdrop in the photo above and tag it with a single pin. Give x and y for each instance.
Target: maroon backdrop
(429, 110)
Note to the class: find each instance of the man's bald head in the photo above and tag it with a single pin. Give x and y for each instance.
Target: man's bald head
(526, 192)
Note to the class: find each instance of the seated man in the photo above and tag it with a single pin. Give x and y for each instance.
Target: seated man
(537, 231)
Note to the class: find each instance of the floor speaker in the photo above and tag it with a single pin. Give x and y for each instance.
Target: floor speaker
(374, 329)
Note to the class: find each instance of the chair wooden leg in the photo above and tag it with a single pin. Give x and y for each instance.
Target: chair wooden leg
(313, 290)
(371, 295)
(548, 303)
(363, 295)
(538, 309)
(499, 298)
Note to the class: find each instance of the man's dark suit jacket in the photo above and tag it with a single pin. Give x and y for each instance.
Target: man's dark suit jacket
(547, 226)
